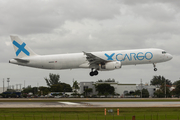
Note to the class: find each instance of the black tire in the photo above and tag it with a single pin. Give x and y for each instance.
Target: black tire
(155, 69)
(91, 73)
(96, 72)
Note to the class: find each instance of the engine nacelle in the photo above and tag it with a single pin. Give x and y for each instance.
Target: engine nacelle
(112, 65)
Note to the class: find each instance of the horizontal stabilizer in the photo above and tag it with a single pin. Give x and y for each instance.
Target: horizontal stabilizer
(21, 60)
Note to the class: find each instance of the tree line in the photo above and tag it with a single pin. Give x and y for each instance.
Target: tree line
(164, 86)
(55, 85)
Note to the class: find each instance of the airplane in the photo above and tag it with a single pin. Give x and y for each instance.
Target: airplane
(96, 61)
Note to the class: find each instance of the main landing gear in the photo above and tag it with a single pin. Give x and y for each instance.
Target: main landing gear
(92, 73)
(155, 69)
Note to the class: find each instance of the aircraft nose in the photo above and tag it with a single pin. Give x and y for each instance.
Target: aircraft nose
(170, 56)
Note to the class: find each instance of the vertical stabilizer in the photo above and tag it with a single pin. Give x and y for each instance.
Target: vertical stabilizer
(21, 49)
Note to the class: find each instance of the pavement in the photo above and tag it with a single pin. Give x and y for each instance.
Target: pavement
(60, 104)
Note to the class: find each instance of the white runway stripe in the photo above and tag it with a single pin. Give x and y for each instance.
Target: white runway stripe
(69, 103)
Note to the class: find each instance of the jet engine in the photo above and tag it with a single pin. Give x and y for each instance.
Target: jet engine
(111, 65)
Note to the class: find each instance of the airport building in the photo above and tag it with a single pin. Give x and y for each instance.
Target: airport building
(150, 88)
(121, 89)
(86, 85)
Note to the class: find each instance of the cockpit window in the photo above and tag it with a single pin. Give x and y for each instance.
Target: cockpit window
(163, 52)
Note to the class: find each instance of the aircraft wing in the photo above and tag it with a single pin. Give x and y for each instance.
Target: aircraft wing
(93, 59)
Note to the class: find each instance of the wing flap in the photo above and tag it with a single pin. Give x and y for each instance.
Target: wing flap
(93, 59)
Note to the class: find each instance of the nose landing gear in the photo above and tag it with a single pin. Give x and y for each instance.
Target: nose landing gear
(155, 69)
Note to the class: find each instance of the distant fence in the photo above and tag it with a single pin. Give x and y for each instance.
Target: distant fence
(87, 117)
(132, 96)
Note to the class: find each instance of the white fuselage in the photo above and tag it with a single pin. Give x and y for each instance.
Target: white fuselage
(78, 60)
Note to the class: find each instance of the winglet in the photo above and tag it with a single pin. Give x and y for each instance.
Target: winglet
(21, 49)
(84, 52)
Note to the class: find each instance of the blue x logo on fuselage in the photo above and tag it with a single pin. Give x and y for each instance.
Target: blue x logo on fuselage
(109, 56)
(21, 48)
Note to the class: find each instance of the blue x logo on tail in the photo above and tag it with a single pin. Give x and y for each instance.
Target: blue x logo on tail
(21, 48)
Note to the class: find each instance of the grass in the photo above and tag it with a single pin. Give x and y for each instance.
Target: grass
(88, 114)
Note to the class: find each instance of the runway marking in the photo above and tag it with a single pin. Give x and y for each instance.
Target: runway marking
(69, 103)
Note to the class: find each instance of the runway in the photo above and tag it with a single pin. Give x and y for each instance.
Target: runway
(86, 104)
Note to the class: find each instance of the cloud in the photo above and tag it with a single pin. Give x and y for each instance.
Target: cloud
(58, 26)
(33, 17)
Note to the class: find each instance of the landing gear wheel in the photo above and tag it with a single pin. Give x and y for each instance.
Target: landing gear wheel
(155, 69)
(91, 73)
(95, 72)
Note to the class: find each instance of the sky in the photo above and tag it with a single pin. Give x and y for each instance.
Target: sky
(73, 26)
